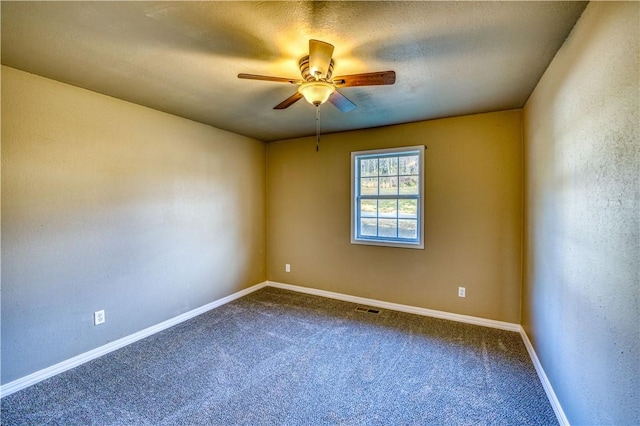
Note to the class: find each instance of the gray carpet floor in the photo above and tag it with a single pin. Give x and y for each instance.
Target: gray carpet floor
(277, 357)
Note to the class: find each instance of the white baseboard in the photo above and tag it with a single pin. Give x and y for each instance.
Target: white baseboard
(402, 308)
(48, 372)
(546, 384)
(38, 376)
(555, 404)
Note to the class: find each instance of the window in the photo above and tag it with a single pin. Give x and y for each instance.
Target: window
(387, 197)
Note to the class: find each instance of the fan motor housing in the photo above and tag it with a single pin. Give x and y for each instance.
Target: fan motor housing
(306, 73)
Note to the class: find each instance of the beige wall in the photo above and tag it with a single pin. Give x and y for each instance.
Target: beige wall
(473, 214)
(582, 196)
(109, 205)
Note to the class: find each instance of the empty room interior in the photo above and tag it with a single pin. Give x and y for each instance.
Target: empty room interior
(320, 213)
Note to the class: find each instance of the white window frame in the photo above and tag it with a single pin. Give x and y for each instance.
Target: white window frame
(355, 196)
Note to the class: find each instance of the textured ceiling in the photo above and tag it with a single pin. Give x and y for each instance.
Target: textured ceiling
(451, 58)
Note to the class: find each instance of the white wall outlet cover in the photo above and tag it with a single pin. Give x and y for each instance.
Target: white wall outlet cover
(99, 317)
(287, 268)
(461, 292)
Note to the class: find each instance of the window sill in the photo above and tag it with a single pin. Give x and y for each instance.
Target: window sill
(393, 244)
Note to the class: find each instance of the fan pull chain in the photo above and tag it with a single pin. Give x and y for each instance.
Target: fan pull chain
(317, 128)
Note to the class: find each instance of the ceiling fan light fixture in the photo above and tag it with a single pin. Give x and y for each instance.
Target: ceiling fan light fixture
(317, 85)
(316, 92)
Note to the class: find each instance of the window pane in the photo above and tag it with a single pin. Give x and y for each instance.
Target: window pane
(409, 185)
(388, 185)
(408, 228)
(369, 186)
(368, 208)
(387, 190)
(409, 165)
(388, 208)
(369, 167)
(408, 209)
(388, 166)
(387, 228)
(368, 227)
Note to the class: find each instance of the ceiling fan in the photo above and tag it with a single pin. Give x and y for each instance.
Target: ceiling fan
(317, 85)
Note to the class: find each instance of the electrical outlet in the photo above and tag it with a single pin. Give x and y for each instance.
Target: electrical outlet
(98, 317)
(462, 292)
(287, 268)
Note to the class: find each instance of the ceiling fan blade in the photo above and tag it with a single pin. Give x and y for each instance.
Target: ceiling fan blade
(367, 79)
(268, 78)
(319, 57)
(341, 102)
(289, 101)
